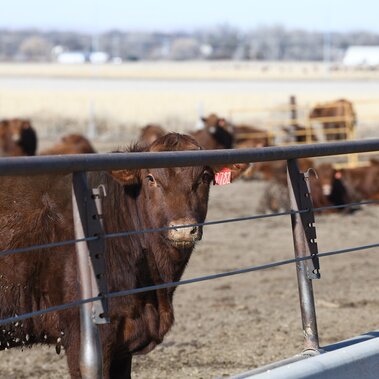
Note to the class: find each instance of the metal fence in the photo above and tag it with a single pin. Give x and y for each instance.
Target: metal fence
(89, 240)
(291, 123)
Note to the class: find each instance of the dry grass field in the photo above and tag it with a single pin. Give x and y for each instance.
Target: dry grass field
(119, 99)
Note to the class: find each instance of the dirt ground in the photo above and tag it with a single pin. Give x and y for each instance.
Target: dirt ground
(234, 324)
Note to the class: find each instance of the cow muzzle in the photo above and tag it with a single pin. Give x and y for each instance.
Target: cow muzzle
(181, 236)
(326, 189)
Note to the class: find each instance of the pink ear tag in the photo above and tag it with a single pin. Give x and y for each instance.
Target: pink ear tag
(223, 177)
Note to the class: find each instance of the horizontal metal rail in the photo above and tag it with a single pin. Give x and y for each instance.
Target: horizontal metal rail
(98, 162)
(182, 282)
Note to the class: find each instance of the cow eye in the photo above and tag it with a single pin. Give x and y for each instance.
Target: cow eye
(150, 178)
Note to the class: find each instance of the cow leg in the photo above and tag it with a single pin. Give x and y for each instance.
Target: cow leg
(121, 368)
(72, 354)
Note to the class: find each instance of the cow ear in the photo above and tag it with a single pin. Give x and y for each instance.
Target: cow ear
(127, 177)
(236, 169)
(204, 119)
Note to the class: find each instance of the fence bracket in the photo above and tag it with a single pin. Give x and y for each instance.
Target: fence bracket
(303, 202)
(305, 244)
(90, 258)
(97, 253)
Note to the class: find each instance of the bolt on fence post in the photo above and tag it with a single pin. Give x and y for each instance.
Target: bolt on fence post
(90, 347)
(304, 237)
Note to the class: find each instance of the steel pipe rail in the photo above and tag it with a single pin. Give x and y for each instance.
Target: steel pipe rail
(98, 162)
(350, 359)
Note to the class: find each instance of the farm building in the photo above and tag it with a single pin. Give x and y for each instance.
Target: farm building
(72, 57)
(77, 57)
(366, 56)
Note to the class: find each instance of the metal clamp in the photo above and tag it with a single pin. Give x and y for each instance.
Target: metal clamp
(306, 239)
(90, 211)
(97, 254)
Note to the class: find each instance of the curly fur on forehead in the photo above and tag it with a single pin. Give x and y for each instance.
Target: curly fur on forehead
(174, 142)
(168, 142)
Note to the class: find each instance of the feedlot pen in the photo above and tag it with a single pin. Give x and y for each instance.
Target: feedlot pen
(228, 302)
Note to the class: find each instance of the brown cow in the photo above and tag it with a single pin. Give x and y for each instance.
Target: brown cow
(71, 144)
(341, 115)
(150, 133)
(335, 190)
(274, 170)
(214, 135)
(40, 212)
(250, 136)
(17, 138)
(362, 183)
(300, 134)
(242, 136)
(275, 197)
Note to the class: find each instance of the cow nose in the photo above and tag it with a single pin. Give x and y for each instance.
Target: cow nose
(327, 189)
(182, 234)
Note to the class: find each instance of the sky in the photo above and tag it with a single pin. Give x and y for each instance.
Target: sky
(187, 15)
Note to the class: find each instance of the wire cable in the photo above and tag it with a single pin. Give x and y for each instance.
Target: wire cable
(155, 230)
(180, 283)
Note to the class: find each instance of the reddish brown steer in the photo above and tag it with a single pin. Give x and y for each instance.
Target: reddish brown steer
(150, 133)
(71, 144)
(337, 117)
(40, 211)
(17, 137)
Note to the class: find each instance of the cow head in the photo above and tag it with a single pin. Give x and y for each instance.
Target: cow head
(213, 122)
(150, 133)
(217, 133)
(326, 173)
(17, 137)
(172, 197)
(24, 135)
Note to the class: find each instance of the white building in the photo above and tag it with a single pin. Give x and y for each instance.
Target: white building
(364, 56)
(98, 57)
(71, 57)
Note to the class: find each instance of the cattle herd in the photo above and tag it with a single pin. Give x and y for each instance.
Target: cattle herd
(40, 212)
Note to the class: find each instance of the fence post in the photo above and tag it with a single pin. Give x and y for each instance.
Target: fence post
(293, 110)
(90, 347)
(304, 237)
(293, 118)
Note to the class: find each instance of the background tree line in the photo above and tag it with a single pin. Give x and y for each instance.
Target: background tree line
(221, 42)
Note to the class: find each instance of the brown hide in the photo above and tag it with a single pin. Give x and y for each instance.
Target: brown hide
(249, 136)
(275, 170)
(298, 133)
(241, 136)
(17, 138)
(276, 195)
(362, 183)
(342, 109)
(346, 186)
(214, 135)
(71, 144)
(150, 133)
(40, 211)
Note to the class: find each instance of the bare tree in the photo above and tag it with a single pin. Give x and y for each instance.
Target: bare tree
(35, 48)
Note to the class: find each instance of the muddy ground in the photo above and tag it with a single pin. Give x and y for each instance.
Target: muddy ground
(234, 324)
